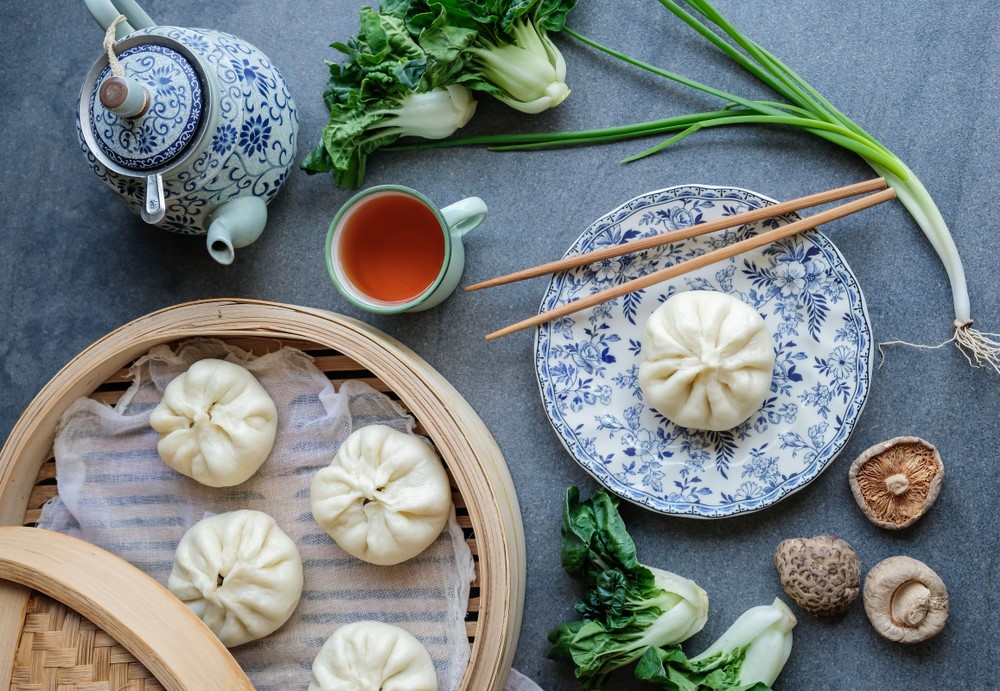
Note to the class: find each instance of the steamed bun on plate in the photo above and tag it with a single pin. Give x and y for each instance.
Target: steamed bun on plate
(216, 422)
(384, 498)
(240, 573)
(707, 360)
(372, 656)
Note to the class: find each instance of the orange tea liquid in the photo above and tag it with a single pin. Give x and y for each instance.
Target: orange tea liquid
(391, 246)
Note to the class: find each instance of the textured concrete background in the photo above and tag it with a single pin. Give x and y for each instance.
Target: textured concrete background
(922, 76)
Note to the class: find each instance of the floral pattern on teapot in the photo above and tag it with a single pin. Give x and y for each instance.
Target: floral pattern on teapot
(167, 127)
(250, 148)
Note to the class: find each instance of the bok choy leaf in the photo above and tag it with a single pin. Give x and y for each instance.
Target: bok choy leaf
(503, 46)
(388, 88)
(629, 608)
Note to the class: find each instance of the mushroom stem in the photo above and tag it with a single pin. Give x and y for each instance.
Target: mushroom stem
(905, 600)
(897, 484)
(910, 603)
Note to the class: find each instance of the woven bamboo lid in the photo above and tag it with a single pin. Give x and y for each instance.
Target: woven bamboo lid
(481, 480)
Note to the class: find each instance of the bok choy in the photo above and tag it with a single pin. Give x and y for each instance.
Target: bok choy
(748, 656)
(389, 88)
(801, 106)
(410, 69)
(628, 608)
(503, 45)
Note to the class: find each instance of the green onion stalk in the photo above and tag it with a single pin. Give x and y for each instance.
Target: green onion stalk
(802, 106)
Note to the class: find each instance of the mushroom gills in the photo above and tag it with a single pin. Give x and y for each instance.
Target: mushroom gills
(895, 482)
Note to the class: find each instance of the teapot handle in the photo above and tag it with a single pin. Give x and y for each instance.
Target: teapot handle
(106, 11)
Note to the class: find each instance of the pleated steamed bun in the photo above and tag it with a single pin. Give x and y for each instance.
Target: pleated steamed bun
(216, 422)
(372, 656)
(384, 498)
(240, 573)
(706, 361)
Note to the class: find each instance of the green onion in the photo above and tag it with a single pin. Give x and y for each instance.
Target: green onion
(803, 107)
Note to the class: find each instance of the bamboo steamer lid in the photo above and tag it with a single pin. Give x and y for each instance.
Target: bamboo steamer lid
(475, 463)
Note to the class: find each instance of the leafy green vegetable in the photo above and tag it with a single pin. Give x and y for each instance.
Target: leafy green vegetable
(748, 656)
(388, 88)
(628, 608)
(504, 45)
(528, 74)
(410, 69)
(802, 106)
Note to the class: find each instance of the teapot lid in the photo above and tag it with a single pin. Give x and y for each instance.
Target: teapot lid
(171, 99)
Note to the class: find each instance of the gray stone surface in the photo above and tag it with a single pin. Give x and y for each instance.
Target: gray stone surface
(922, 76)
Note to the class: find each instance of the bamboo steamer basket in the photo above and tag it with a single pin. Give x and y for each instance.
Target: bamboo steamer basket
(76, 618)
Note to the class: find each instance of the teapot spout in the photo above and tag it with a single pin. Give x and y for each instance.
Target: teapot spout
(237, 223)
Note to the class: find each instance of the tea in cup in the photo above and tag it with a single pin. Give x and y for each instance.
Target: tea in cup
(390, 249)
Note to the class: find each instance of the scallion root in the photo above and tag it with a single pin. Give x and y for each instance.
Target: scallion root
(980, 348)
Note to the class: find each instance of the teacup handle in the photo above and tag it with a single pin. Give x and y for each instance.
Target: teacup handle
(464, 215)
(106, 11)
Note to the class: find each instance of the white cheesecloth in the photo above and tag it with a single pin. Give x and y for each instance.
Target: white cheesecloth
(116, 492)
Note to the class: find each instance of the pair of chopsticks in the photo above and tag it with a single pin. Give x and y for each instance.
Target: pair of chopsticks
(682, 268)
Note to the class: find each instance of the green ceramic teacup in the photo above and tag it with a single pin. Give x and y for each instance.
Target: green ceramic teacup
(390, 249)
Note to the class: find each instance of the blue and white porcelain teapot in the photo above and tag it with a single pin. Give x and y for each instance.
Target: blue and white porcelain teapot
(193, 128)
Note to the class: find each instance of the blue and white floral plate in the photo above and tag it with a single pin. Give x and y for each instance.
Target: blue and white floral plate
(587, 363)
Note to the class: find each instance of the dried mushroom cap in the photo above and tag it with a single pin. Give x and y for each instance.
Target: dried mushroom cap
(905, 600)
(821, 574)
(895, 482)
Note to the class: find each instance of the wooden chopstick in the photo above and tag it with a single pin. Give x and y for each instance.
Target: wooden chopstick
(685, 233)
(699, 262)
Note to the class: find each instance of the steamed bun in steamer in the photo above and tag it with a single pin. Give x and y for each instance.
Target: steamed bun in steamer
(707, 360)
(372, 656)
(217, 424)
(240, 573)
(384, 498)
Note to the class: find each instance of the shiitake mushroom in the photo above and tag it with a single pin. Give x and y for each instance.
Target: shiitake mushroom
(905, 600)
(895, 482)
(821, 574)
